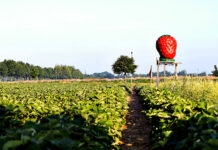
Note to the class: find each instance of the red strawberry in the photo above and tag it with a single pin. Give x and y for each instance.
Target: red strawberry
(166, 46)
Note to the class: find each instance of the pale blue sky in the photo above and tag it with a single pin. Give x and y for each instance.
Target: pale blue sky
(92, 34)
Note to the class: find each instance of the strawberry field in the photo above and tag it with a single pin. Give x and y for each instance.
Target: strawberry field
(91, 115)
(61, 115)
(183, 115)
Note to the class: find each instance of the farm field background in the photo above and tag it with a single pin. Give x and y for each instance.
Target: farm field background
(90, 115)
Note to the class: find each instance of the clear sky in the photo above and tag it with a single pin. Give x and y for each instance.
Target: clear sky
(92, 34)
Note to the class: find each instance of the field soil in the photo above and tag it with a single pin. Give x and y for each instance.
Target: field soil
(135, 135)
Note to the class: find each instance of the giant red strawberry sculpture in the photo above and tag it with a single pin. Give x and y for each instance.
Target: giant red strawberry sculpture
(166, 46)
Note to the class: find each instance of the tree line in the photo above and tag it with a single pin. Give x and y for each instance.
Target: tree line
(12, 70)
(109, 75)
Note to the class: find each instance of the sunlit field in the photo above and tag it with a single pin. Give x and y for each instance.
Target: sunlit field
(195, 90)
(72, 115)
(183, 113)
(91, 114)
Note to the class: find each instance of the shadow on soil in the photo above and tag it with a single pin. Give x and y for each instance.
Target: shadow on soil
(137, 133)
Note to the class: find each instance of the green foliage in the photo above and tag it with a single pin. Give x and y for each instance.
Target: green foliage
(34, 72)
(50, 115)
(195, 90)
(179, 123)
(66, 72)
(215, 72)
(182, 73)
(3, 70)
(11, 65)
(12, 69)
(124, 65)
(57, 132)
(103, 75)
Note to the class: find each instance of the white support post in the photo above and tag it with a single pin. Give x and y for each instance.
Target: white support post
(157, 73)
(165, 73)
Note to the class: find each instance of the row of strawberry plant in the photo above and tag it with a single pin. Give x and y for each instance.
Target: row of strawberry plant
(195, 90)
(61, 115)
(179, 123)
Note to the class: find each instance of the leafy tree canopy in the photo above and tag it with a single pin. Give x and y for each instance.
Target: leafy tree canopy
(13, 69)
(215, 72)
(124, 65)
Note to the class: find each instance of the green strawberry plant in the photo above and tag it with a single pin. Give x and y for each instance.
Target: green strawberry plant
(45, 115)
(179, 123)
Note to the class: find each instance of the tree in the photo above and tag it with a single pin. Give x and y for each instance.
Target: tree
(11, 65)
(40, 72)
(17, 70)
(182, 73)
(124, 65)
(48, 73)
(202, 74)
(215, 72)
(28, 71)
(34, 72)
(103, 75)
(58, 71)
(77, 74)
(3, 70)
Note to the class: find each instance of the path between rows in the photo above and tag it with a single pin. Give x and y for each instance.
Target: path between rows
(135, 135)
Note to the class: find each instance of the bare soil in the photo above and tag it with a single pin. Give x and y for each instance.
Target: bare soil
(135, 135)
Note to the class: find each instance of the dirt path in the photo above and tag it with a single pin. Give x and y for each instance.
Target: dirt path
(135, 135)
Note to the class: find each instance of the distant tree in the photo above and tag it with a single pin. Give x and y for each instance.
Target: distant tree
(124, 65)
(17, 70)
(22, 70)
(62, 72)
(68, 72)
(11, 65)
(28, 71)
(58, 70)
(215, 72)
(40, 72)
(77, 74)
(182, 73)
(50, 72)
(202, 74)
(3, 70)
(34, 72)
(102, 75)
